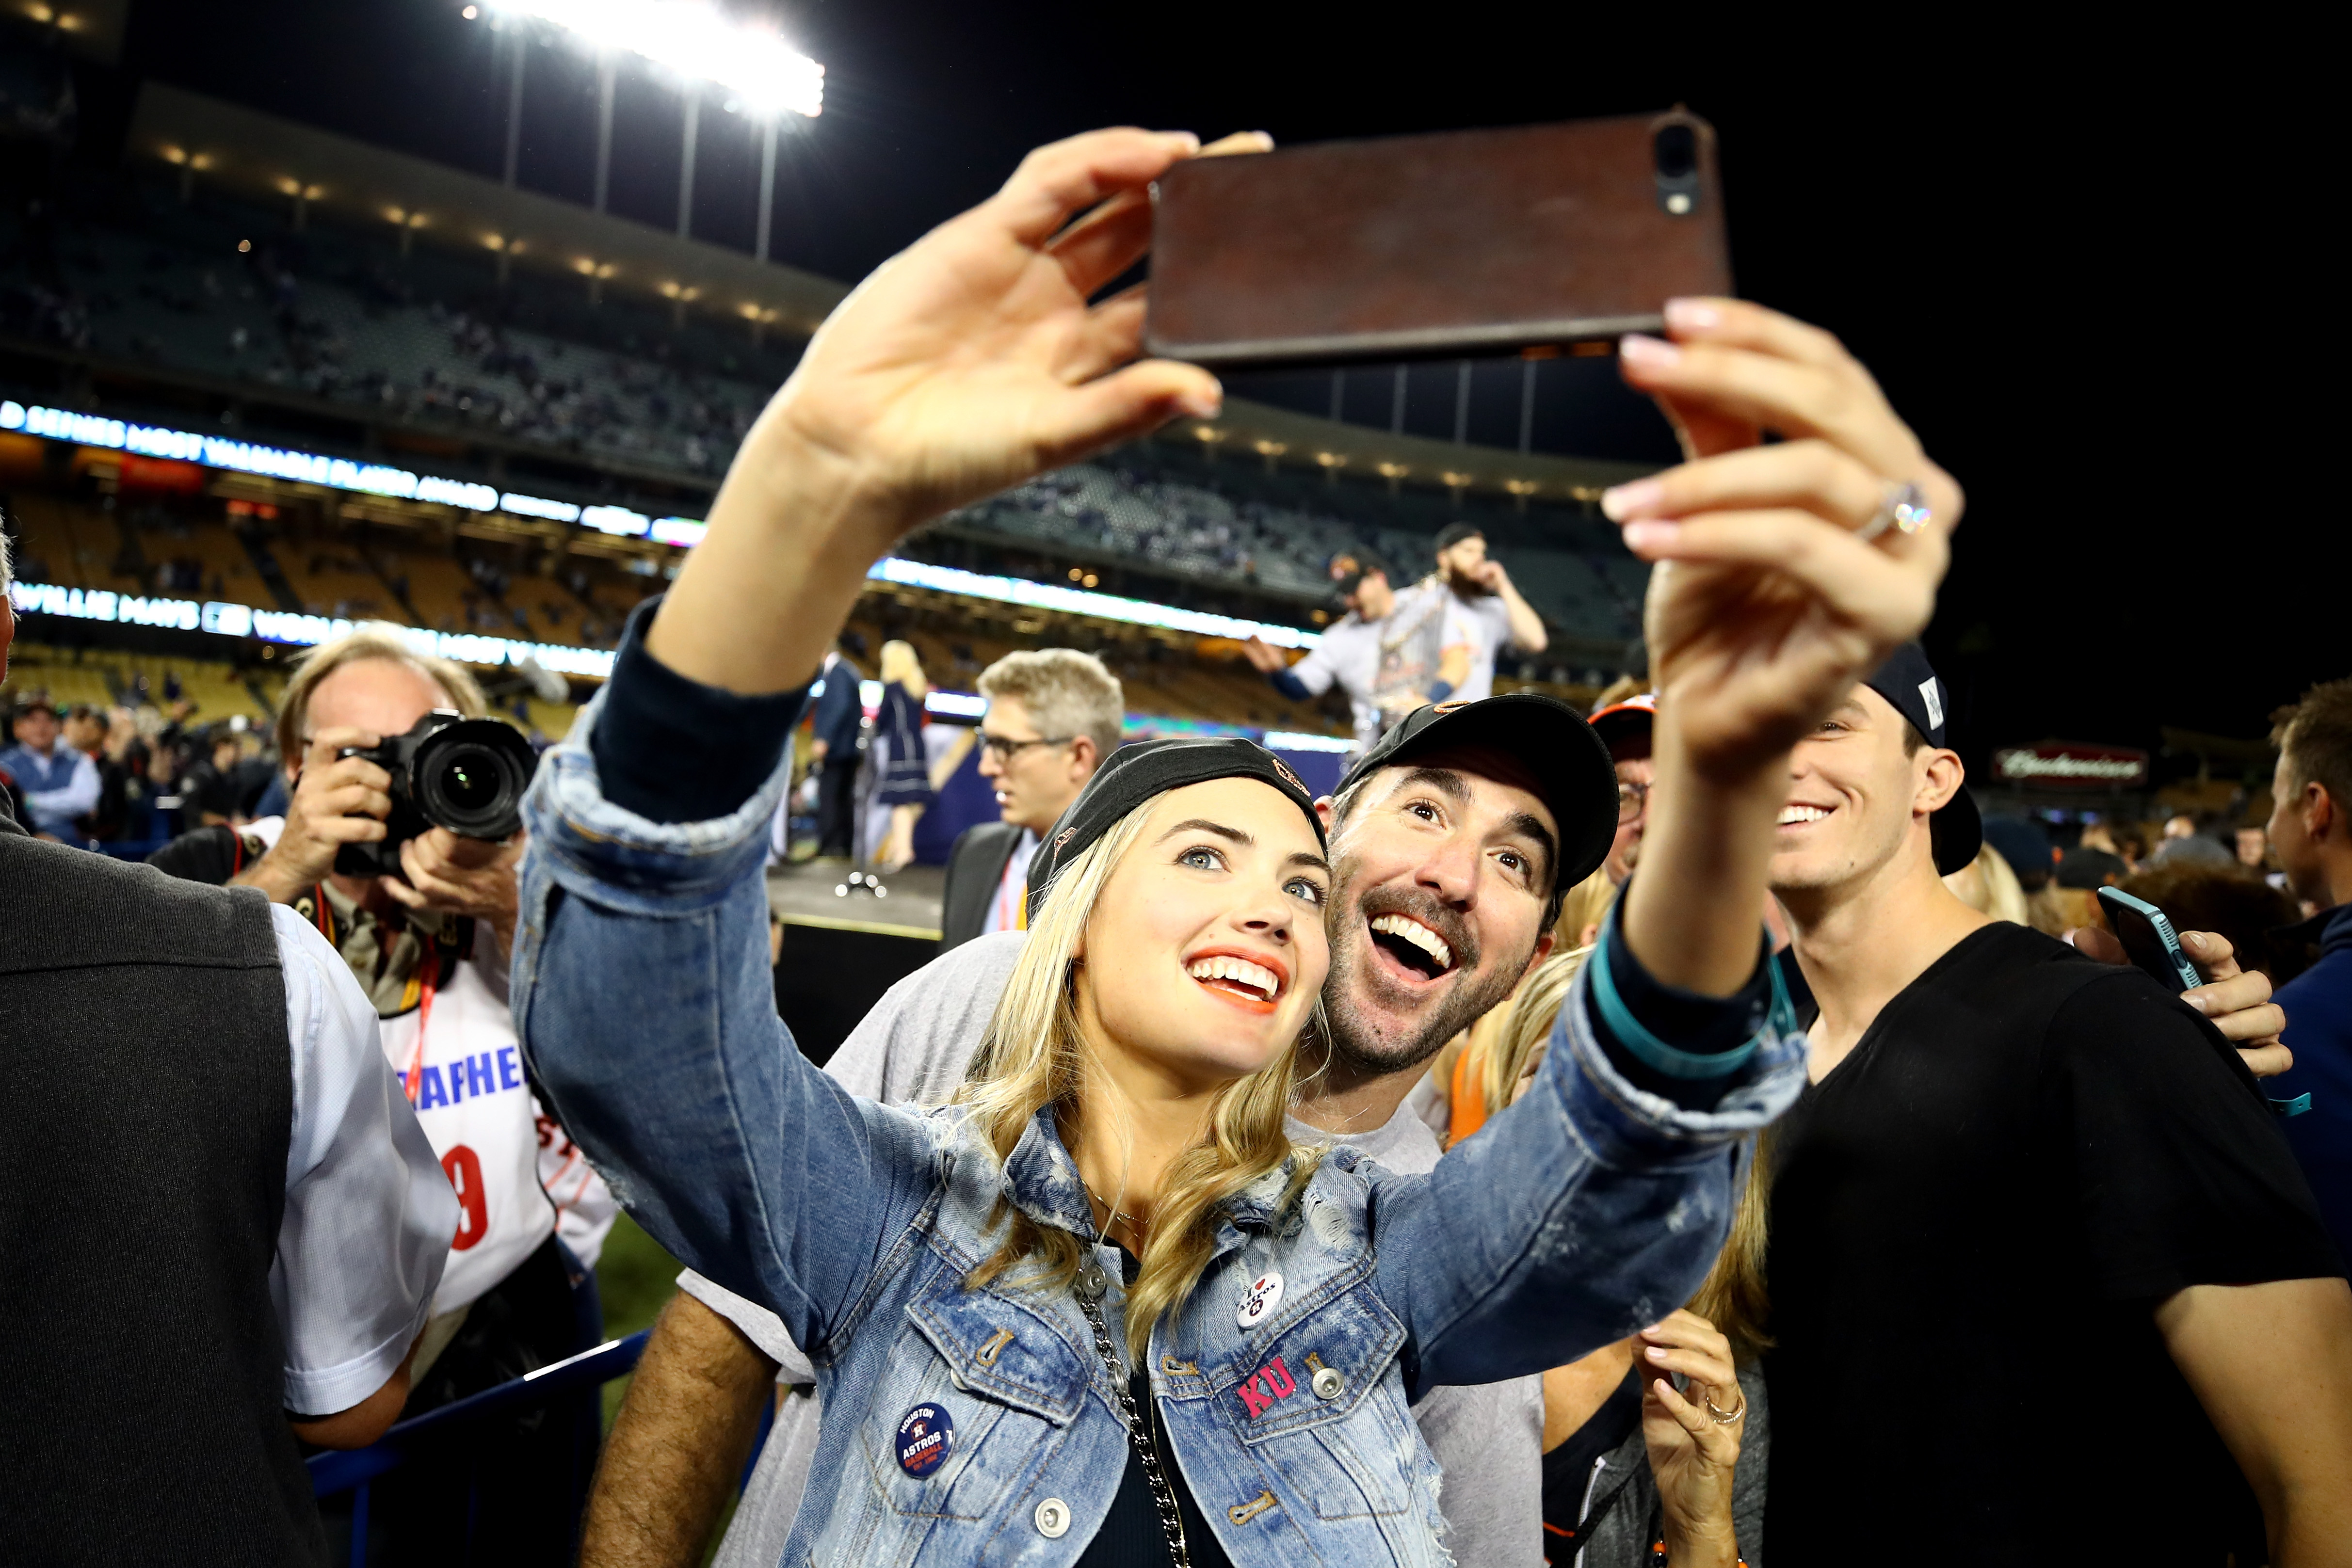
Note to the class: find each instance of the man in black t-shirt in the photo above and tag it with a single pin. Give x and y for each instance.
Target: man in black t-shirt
(2047, 1285)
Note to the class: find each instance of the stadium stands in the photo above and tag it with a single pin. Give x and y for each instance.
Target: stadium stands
(333, 318)
(325, 336)
(106, 678)
(219, 289)
(1137, 504)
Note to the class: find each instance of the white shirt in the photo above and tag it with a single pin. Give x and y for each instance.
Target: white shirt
(516, 1173)
(369, 1215)
(1483, 625)
(1012, 887)
(1385, 666)
(518, 1177)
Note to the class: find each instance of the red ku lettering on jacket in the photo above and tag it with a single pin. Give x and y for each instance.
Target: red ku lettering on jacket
(1266, 1384)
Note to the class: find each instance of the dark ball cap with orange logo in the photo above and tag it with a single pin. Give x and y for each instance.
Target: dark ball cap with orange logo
(1573, 773)
(1135, 774)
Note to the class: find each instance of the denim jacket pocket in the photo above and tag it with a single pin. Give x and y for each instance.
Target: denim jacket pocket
(1322, 1404)
(981, 1377)
(1002, 1350)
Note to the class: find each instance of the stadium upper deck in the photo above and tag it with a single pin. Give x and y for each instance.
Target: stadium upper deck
(195, 303)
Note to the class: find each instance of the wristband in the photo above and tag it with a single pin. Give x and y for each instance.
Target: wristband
(1655, 1053)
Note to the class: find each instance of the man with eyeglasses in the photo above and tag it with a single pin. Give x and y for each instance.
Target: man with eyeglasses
(1052, 716)
(1624, 729)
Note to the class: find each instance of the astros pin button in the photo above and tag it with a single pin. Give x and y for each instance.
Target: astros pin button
(1259, 1300)
(926, 1434)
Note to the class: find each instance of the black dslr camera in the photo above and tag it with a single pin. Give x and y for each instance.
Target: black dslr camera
(467, 775)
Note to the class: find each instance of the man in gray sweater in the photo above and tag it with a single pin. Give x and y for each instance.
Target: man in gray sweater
(1446, 894)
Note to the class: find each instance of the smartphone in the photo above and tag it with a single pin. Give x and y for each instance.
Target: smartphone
(2148, 939)
(1466, 242)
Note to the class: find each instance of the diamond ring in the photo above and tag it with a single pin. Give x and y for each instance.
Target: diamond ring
(1904, 510)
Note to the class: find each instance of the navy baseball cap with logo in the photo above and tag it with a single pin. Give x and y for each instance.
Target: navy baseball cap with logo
(1572, 768)
(1347, 574)
(1136, 772)
(1911, 687)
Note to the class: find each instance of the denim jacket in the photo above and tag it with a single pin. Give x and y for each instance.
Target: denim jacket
(644, 997)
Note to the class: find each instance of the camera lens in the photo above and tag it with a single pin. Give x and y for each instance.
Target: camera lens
(1676, 149)
(470, 778)
(470, 781)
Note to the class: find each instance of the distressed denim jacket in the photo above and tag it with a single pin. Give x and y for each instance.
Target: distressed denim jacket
(967, 1425)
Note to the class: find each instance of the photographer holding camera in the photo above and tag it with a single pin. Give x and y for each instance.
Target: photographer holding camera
(426, 918)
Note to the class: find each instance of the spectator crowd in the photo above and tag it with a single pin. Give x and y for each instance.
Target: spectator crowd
(1689, 1132)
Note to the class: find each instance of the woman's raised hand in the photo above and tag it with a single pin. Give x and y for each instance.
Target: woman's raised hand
(968, 362)
(1768, 603)
(973, 360)
(1692, 1449)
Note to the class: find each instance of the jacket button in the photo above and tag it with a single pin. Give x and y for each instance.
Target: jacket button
(1053, 1519)
(1092, 1284)
(1329, 1383)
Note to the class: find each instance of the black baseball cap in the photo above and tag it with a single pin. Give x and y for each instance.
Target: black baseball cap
(1135, 774)
(1453, 533)
(1349, 571)
(1912, 687)
(1573, 772)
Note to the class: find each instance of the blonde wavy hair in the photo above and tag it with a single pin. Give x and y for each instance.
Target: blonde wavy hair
(900, 665)
(1034, 1055)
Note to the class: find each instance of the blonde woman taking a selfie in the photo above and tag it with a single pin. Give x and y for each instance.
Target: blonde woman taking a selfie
(1102, 1311)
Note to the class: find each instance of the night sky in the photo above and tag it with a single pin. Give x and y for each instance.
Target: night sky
(2069, 260)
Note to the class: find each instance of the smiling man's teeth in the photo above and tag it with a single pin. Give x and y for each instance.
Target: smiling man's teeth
(1791, 815)
(1239, 970)
(1420, 935)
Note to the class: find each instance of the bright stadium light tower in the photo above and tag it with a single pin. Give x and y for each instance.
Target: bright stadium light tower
(694, 41)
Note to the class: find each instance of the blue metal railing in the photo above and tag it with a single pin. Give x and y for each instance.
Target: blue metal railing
(332, 1474)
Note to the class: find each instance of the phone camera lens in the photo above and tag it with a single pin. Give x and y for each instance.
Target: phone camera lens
(1673, 152)
(1677, 153)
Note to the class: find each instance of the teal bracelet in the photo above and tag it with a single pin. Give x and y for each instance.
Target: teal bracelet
(1655, 1053)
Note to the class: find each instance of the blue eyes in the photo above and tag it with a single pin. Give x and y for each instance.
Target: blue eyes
(1202, 857)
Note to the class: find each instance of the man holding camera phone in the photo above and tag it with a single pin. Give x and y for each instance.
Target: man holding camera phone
(430, 947)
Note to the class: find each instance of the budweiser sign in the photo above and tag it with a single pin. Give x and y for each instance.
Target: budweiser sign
(2068, 763)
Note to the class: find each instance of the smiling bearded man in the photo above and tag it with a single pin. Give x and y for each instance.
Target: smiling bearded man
(1451, 841)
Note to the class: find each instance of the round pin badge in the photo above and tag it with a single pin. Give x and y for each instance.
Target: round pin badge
(1259, 1300)
(926, 1434)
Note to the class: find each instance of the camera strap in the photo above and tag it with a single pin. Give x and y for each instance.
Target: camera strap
(428, 977)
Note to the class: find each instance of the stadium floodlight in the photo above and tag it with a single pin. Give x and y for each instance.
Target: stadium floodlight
(696, 42)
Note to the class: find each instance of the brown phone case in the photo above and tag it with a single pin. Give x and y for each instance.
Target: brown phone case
(1470, 241)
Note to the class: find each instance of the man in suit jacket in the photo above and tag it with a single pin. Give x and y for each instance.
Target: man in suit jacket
(1052, 716)
(839, 716)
